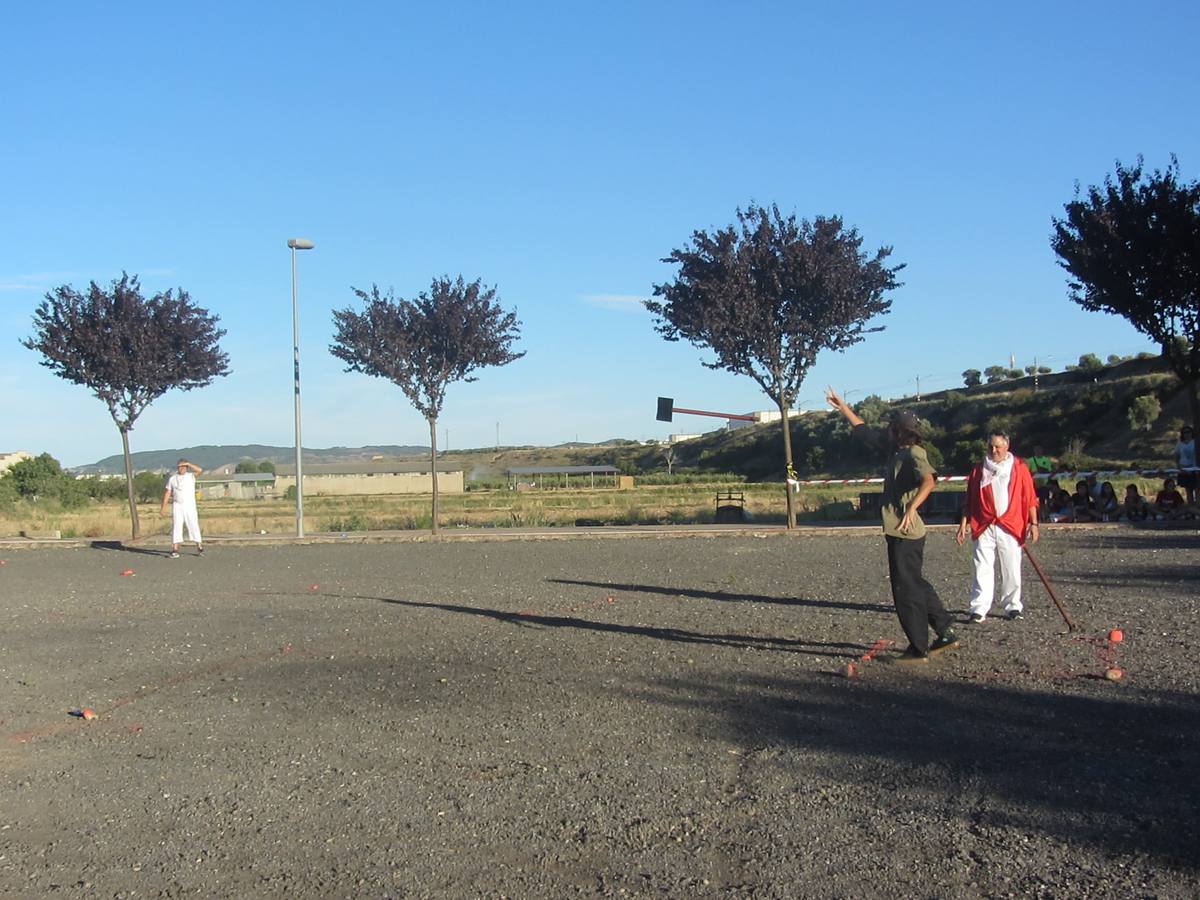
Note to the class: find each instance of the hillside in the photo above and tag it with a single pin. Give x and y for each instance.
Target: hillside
(486, 463)
(1080, 418)
(211, 456)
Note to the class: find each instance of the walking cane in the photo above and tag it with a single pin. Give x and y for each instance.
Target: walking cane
(1049, 590)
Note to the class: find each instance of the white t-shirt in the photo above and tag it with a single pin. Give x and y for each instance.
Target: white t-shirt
(1186, 454)
(182, 488)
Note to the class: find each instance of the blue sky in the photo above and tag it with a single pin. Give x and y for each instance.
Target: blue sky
(557, 151)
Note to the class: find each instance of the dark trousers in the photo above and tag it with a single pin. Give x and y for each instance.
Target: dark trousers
(917, 603)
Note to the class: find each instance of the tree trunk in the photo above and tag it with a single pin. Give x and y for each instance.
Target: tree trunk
(433, 469)
(787, 459)
(1193, 388)
(133, 515)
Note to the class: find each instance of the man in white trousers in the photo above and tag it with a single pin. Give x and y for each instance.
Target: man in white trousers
(181, 494)
(1001, 510)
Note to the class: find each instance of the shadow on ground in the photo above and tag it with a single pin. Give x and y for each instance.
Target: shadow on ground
(678, 635)
(1136, 538)
(1115, 773)
(125, 548)
(726, 596)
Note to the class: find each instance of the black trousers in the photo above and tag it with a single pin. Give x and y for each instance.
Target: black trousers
(917, 603)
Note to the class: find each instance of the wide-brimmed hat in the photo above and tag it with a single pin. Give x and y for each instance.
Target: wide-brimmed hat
(907, 420)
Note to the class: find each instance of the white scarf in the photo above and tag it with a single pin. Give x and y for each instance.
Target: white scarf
(997, 475)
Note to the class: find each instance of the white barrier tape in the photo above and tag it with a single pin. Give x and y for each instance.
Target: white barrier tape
(794, 483)
(1119, 473)
(1122, 473)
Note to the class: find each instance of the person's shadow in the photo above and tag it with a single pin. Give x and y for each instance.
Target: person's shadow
(744, 641)
(124, 548)
(726, 596)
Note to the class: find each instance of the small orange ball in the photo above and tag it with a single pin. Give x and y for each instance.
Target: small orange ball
(1114, 674)
(87, 713)
(1116, 636)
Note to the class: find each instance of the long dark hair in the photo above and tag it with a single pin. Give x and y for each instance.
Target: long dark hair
(904, 437)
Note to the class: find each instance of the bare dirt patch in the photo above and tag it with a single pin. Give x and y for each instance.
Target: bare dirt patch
(592, 717)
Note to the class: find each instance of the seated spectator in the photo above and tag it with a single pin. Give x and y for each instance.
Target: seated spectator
(1170, 503)
(1135, 508)
(1185, 458)
(1093, 486)
(1060, 509)
(1084, 504)
(1108, 506)
(1047, 494)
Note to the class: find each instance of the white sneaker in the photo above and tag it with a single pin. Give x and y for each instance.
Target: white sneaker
(174, 555)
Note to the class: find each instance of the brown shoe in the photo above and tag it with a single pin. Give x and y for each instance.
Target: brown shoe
(947, 641)
(910, 657)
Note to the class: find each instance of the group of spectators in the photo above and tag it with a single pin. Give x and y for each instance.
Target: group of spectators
(1096, 501)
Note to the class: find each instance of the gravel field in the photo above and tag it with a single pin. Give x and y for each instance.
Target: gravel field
(594, 717)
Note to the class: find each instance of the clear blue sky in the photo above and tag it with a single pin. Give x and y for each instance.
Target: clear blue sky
(558, 151)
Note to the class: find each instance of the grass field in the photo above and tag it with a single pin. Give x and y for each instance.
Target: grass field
(644, 505)
(673, 504)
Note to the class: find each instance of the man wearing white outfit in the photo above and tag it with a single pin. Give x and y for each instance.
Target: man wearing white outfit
(181, 493)
(1001, 509)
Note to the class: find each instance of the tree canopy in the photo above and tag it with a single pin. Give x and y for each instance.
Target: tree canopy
(768, 293)
(425, 345)
(1132, 248)
(127, 349)
(43, 478)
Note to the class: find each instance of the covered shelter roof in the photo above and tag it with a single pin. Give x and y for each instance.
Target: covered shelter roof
(564, 470)
(371, 467)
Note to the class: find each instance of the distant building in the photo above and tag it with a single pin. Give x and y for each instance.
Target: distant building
(762, 417)
(368, 478)
(11, 459)
(528, 477)
(680, 438)
(236, 486)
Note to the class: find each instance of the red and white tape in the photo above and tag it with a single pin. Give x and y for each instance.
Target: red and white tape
(1118, 473)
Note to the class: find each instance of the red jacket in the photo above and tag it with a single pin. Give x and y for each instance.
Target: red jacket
(981, 506)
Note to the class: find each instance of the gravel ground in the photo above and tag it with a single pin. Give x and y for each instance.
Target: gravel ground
(641, 717)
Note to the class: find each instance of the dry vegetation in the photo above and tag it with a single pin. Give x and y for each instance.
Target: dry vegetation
(644, 505)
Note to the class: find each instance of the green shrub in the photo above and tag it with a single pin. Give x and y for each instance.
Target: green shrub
(1143, 412)
(352, 522)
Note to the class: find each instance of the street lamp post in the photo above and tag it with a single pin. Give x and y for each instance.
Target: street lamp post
(297, 244)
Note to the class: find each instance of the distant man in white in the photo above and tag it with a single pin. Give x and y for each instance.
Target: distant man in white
(181, 493)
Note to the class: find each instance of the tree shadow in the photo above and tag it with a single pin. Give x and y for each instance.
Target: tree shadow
(1141, 576)
(677, 635)
(1140, 540)
(125, 548)
(726, 596)
(1115, 773)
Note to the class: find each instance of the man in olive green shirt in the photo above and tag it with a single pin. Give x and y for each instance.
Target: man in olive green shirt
(908, 479)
